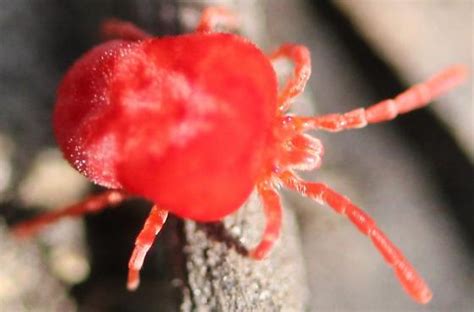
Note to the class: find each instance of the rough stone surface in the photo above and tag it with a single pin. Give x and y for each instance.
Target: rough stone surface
(220, 278)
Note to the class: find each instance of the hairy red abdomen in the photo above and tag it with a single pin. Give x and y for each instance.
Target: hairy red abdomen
(184, 121)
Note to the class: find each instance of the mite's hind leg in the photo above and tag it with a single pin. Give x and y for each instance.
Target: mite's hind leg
(92, 204)
(213, 16)
(273, 215)
(143, 243)
(404, 271)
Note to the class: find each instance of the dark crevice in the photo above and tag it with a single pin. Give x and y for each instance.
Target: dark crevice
(217, 232)
(452, 172)
(110, 238)
(180, 260)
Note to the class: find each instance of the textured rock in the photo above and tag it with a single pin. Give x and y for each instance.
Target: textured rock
(221, 278)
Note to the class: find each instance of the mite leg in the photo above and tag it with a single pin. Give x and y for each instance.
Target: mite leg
(273, 214)
(92, 204)
(406, 274)
(118, 29)
(415, 97)
(301, 59)
(301, 152)
(144, 241)
(213, 16)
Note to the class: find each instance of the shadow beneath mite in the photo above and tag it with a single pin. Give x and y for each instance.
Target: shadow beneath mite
(217, 232)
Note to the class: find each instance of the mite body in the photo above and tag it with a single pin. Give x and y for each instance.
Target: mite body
(195, 122)
(175, 120)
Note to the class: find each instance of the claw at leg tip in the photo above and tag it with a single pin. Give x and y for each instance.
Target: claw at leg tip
(132, 286)
(257, 254)
(425, 296)
(133, 281)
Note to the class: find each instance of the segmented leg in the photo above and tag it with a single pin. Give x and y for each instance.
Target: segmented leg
(301, 152)
(301, 59)
(118, 29)
(406, 274)
(89, 205)
(272, 209)
(415, 97)
(213, 16)
(144, 241)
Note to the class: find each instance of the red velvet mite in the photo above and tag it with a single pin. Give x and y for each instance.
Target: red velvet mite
(195, 122)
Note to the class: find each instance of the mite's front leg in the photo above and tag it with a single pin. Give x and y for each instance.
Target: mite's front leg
(301, 59)
(413, 98)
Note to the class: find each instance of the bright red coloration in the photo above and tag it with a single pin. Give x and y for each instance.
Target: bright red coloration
(195, 122)
(147, 116)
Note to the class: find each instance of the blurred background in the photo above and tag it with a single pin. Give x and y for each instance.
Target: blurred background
(413, 175)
